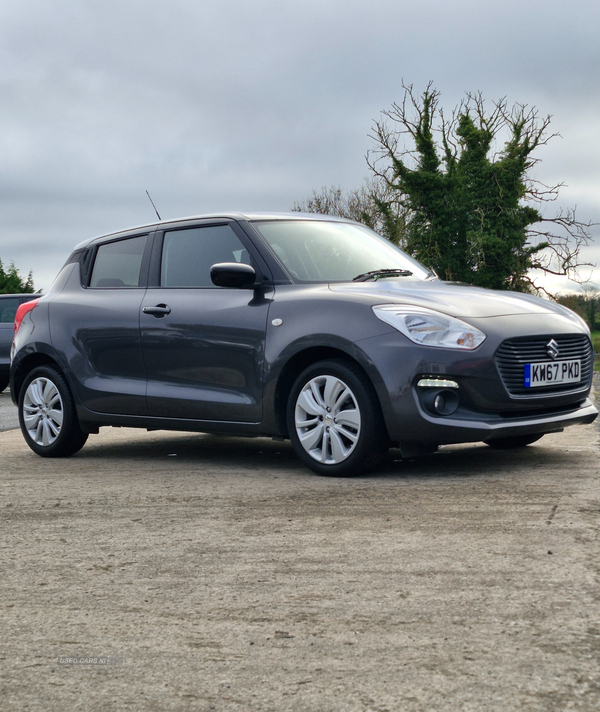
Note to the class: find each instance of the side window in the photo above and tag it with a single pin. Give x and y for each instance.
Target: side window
(188, 255)
(8, 309)
(118, 264)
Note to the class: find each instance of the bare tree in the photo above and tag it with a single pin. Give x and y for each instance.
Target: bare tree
(373, 204)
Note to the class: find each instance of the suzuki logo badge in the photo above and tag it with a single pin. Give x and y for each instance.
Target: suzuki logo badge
(552, 349)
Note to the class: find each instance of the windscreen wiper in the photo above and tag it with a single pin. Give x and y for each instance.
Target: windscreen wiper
(381, 273)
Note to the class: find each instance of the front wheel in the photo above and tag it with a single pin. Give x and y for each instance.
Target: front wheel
(334, 420)
(47, 414)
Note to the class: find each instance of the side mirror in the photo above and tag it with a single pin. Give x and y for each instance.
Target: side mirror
(233, 274)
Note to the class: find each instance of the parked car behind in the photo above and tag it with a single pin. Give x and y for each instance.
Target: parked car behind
(8, 308)
(303, 327)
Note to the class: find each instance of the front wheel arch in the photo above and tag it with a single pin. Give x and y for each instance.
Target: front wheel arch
(302, 360)
(334, 419)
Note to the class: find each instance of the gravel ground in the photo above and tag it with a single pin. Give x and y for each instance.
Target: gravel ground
(8, 412)
(218, 574)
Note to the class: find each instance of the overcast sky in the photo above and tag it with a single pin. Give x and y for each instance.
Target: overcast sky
(237, 105)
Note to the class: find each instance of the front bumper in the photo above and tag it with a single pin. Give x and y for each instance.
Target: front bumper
(486, 410)
(445, 430)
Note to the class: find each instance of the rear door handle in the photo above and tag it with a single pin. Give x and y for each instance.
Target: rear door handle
(158, 311)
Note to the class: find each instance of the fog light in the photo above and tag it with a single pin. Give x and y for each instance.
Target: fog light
(446, 402)
(440, 402)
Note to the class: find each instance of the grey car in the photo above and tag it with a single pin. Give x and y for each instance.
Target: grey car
(292, 326)
(9, 303)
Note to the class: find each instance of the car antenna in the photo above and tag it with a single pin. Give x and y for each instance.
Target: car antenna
(154, 206)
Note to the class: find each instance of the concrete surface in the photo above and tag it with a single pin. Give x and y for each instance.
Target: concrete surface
(8, 412)
(219, 574)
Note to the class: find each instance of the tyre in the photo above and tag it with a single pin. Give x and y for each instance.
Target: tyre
(47, 414)
(334, 420)
(513, 443)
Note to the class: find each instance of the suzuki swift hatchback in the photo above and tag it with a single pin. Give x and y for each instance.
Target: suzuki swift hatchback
(303, 327)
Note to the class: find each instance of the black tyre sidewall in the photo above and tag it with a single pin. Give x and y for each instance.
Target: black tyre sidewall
(373, 439)
(71, 438)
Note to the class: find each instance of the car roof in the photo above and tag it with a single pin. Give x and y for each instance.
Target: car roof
(251, 217)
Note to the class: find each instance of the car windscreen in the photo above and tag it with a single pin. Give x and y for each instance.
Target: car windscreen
(327, 251)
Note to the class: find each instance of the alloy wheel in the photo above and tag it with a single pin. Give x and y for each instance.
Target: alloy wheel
(43, 411)
(327, 419)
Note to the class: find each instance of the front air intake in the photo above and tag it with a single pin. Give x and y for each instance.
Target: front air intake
(512, 356)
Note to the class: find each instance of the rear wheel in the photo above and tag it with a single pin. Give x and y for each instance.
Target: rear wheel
(513, 443)
(47, 414)
(334, 420)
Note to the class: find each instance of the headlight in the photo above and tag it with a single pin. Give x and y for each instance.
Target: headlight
(430, 328)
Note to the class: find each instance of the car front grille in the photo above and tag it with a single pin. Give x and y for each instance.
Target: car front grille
(512, 356)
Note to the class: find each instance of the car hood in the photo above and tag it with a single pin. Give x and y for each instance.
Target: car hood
(458, 300)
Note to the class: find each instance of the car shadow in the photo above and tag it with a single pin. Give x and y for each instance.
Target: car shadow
(271, 456)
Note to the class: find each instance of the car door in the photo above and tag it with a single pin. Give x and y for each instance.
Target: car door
(203, 345)
(95, 326)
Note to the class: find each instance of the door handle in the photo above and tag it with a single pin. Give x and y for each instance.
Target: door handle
(158, 311)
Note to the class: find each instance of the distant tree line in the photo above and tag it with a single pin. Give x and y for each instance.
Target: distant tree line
(457, 192)
(586, 303)
(12, 283)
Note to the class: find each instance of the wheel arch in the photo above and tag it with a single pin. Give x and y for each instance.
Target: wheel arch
(47, 411)
(26, 365)
(306, 357)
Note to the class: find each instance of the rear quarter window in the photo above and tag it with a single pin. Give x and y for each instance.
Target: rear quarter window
(118, 264)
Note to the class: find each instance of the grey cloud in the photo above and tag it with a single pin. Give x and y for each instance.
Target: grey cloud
(252, 105)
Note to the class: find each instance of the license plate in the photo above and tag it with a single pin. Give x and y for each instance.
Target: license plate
(551, 372)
